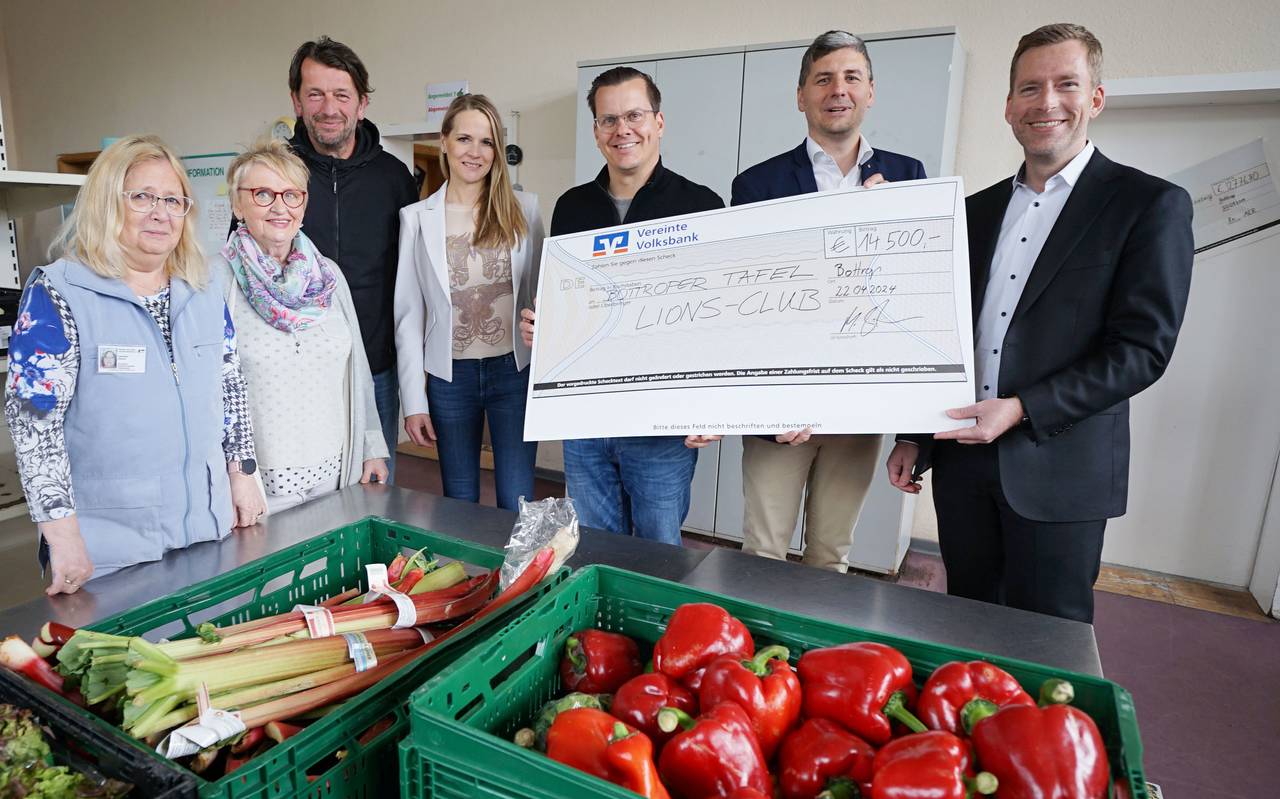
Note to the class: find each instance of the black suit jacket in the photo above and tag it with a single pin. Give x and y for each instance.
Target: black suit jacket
(1096, 324)
(791, 173)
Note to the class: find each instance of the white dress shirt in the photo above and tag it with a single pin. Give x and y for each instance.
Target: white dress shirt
(826, 172)
(1027, 223)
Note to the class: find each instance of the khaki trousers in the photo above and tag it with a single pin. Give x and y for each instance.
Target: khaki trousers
(837, 469)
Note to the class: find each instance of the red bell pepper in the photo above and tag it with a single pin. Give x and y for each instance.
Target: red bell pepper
(934, 764)
(638, 701)
(630, 757)
(597, 662)
(823, 756)
(697, 634)
(596, 743)
(579, 738)
(862, 685)
(714, 756)
(535, 737)
(1049, 752)
(765, 686)
(950, 693)
(749, 793)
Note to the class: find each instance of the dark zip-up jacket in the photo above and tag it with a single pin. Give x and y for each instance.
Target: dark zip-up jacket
(353, 216)
(589, 206)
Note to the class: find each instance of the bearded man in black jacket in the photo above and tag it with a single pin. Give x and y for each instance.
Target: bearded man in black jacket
(355, 193)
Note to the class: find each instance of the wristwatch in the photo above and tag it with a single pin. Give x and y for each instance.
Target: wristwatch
(246, 466)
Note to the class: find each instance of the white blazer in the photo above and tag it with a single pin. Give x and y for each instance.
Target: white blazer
(424, 305)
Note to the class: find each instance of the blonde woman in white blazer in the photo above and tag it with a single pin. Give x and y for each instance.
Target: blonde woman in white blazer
(469, 257)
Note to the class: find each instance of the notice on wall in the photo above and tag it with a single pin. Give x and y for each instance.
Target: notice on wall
(212, 214)
(1234, 196)
(439, 95)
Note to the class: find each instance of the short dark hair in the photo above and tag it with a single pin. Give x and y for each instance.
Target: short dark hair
(332, 54)
(828, 43)
(1058, 33)
(619, 75)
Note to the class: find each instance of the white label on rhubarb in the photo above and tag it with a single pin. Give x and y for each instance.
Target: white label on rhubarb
(319, 620)
(426, 634)
(379, 582)
(406, 612)
(360, 651)
(213, 727)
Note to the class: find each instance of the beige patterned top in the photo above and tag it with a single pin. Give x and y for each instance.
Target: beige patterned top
(480, 285)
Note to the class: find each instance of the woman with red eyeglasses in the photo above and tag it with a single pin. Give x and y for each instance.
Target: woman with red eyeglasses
(310, 392)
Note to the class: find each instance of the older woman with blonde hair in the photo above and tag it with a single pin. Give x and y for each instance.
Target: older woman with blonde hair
(124, 395)
(310, 390)
(469, 258)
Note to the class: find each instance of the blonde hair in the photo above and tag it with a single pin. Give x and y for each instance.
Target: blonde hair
(91, 234)
(274, 155)
(499, 220)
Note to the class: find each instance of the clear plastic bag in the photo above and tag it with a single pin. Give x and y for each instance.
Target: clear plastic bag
(551, 521)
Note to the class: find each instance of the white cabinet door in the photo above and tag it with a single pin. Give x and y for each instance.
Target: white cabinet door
(588, 161)
(771, 123)
(883, 532)
(702, 501)
(729, 505)
(913, 82)
(702, 104)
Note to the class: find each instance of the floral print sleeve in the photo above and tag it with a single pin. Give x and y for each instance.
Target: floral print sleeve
(237, 426)
(44, 359)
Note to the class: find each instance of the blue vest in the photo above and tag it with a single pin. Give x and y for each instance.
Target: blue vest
(148, 472)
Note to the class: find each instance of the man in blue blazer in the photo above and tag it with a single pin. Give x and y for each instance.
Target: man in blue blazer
(835, 91)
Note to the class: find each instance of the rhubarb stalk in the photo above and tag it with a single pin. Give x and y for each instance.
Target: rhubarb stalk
(18, 656)
(158, 684)
(303, 701)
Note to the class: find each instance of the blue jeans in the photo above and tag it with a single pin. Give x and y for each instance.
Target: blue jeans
(386, 395)
(634, 486)
(482, 387)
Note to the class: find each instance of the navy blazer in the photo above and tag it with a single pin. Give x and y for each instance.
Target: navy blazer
(791, 173)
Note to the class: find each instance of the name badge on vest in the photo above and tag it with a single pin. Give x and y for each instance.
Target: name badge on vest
(121, 360)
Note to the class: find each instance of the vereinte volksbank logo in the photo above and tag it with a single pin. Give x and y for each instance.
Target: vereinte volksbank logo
(610, 243)
(656, 237)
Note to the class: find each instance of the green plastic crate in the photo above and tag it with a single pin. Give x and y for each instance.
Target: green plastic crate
(77, 744)
(308, 572)
(462, 721)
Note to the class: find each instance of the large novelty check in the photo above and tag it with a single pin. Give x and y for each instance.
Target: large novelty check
(847, 312)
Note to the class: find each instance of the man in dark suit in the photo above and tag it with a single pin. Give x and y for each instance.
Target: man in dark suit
(835, 90)
(1080, 272)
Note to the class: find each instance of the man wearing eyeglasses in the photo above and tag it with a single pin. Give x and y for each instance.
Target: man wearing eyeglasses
(356, 192)
(835, 91)
(637, 485)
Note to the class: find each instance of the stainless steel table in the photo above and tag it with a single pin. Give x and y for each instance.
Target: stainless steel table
(900, 610)
(850, 599)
